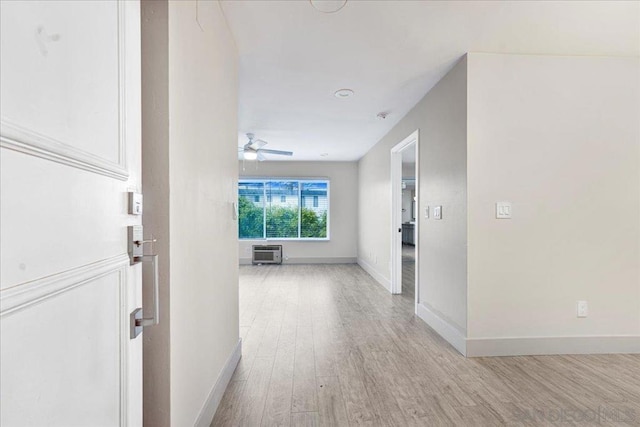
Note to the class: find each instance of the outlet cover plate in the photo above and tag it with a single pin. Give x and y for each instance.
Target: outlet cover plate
(582, 309)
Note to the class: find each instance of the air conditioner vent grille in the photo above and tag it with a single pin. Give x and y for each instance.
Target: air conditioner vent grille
(267, 254)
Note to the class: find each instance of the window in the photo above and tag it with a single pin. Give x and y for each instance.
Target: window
(291, 218)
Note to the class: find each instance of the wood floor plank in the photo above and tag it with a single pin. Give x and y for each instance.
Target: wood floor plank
(330, 402)
(305, 395)
(305, 419)
(254, 394)
(230, 404)
(325, 345)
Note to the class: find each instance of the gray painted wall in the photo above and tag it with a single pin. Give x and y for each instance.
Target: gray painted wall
(343, 210)
(441, 119)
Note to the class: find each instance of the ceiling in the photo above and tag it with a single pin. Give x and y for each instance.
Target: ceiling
(293, 58)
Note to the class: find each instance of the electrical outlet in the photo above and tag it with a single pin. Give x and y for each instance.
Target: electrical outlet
(582, 309)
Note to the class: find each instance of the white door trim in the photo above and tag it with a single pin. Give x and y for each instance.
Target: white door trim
(396, 213)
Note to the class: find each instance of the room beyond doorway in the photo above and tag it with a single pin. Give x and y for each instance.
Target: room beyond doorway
(404, 216)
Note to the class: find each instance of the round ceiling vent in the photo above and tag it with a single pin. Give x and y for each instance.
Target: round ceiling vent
(343, 93)
(328, 6)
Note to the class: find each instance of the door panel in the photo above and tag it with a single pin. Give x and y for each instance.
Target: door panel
(63, 58)
(70, 388)
(70, 151)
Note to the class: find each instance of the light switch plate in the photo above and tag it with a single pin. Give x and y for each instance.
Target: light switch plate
(426, 212)
(437, 212)
(503, 210)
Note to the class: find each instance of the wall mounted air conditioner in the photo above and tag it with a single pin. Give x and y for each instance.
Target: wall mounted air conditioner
(267, 254)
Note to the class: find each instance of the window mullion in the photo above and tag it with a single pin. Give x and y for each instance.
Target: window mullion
(299, 209)
(264, 210)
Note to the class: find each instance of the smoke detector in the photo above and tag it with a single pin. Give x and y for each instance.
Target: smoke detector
(328, 6)
(343, 93)
(382, 115)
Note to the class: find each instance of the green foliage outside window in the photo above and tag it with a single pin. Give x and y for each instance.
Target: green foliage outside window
(313, 225)
(250, 218)
(282, 222)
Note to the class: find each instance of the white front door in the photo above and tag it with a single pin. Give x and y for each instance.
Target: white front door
(70, 152)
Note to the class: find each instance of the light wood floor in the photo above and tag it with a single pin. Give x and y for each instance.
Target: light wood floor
(325, 345)
(409, 270)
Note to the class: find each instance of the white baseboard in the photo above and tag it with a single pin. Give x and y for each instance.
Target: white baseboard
(479, 347)
(386, 283)
(215, 395)
(310, 260)
(445, 328)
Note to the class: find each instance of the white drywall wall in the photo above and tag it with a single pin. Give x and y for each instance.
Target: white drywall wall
(189, 181)
(441, 118)
(343, 205)
(203, 93)
(558, 137)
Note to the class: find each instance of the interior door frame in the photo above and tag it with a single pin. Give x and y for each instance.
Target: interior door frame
(396, 213)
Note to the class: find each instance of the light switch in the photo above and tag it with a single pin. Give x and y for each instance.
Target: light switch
(426, 212)
(135, 203)
(437, 212)
(503, 210)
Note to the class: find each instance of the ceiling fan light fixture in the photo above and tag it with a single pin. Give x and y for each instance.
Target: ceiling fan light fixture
(328, 6)
(250, 155)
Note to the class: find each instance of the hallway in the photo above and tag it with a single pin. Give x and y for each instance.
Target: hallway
(327, 345)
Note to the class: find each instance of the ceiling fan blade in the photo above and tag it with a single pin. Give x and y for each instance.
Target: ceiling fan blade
(259, 143)
(261, 157)
(279, 152)
(255, 144)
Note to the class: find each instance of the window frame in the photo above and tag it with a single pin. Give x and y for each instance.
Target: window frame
(300, 181)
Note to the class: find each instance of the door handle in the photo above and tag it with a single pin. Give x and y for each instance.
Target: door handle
(137, 321)
(142, 242)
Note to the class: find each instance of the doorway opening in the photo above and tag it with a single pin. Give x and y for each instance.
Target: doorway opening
(404, 217)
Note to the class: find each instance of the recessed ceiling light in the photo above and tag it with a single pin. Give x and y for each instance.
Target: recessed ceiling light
(328, 6)
(343, 93)
(324, 154)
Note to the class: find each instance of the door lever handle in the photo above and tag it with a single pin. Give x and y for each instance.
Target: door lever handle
(142, 242)
(136, 319)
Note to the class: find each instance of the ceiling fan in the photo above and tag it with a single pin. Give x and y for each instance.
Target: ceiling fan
(253, 150)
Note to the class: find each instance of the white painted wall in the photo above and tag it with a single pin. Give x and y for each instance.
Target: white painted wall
(441, 118)
(200, 188)
(559, 137)
(343, 205)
